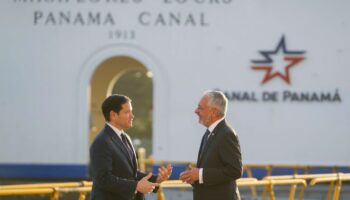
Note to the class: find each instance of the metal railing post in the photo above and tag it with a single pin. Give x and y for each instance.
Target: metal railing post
(301, 193)
(337, 188)
(160, 194)
(141, 152)
(293, 189)
(82, 196)
(250, 175)
(55, 194)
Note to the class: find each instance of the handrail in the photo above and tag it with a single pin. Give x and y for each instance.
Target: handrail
(174, 184)
(246, 179)
(300, 176)
(337, 187)
(269, 184)
(180, 183)
(69, 187)
(293, 183)
(329, 177)
(41, 185)
(83, 187)
(53, 189)
(248, 169)
(339, 176)
(28, 191)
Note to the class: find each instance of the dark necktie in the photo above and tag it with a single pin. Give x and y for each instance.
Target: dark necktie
(205, 140)
(127, 146)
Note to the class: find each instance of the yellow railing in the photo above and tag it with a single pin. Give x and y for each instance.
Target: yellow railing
(144, 162)
(52, 189)
(28, 191)
(47, 185)
(338, 178)
(310, 177)
(82, 191)
(84, 187)
(269, 182)
(243, 182)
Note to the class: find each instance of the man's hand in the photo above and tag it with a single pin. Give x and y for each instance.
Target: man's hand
(190, 175)
(144, 186)
(164, 173)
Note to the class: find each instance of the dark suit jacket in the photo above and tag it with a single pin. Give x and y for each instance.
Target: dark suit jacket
(222, 165)
(114, 174)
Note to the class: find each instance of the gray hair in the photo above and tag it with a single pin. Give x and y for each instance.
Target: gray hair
(218, 100)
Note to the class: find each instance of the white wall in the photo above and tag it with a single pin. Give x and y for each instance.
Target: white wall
(46, 67)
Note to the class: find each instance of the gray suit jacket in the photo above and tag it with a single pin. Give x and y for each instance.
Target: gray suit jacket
(222, 165)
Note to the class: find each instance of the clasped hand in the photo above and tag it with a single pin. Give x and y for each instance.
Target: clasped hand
(164, 173)
(191, 175)
(145, 186)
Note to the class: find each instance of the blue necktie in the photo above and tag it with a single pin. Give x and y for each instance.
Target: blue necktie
(127, 146)
(205, 140)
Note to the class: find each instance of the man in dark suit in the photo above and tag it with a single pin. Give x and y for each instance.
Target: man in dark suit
(113, 161)
(219, 162)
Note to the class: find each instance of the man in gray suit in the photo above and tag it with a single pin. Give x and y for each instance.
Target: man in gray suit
(113, 160)
(219, 162)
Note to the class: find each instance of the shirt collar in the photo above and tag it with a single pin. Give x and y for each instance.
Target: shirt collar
(213, 125)
(116, 130)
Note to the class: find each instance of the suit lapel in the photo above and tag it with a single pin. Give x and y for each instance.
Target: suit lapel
(214, 133)
(200, 150)
(119, 143)
(210, 140)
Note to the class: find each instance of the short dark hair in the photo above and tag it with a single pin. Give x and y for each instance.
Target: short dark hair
(113, 102)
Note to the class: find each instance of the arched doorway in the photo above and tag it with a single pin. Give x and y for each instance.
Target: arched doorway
(123, 75)
(85, 113)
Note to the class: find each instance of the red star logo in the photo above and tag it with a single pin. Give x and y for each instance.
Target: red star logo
(273, 68)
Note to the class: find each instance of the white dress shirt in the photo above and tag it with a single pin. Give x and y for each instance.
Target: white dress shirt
(116, 130)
